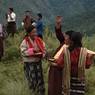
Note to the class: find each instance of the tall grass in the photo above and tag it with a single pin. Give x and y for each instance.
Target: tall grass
(12, 79)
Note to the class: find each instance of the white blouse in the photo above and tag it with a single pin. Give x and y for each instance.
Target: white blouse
(11, 17)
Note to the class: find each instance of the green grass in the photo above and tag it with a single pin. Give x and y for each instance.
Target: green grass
(12, 79)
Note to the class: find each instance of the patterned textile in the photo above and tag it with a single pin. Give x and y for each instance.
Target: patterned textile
(38, 41)
(33, 72)
(74, 85)
(38, 45)
(77, 87)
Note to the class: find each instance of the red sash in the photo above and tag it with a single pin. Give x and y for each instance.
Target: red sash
(39, 42)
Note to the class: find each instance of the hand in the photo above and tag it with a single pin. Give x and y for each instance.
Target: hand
(39, 54)
(58, 21)
(91, 55)
(36, 51)
(30, 51)
(52, 61)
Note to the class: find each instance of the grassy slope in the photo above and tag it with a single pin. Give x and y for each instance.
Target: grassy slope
(12, 80)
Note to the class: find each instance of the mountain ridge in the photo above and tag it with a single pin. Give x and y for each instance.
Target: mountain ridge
(72, 11)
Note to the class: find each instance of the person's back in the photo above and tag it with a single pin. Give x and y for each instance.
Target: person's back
(39, 26)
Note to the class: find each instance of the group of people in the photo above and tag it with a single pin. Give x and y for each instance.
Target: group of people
(38, 23)
(11, 22)
(11, 28)
(67, 66)
(67, 69)
(8, 29)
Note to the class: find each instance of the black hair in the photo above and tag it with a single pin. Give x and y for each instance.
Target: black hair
(30, 29)
(69, 33)
(77, 39)
(39, 15)
(11, 9)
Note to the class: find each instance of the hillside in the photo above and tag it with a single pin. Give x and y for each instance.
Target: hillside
(12, 79)
(78, 14)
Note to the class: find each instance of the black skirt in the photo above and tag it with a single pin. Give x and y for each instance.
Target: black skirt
(11, 27)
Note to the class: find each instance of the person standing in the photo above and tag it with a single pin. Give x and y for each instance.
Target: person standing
(39, 25)
(11, 22)
(3, 35)
(74, 59)
(1, 42)
(33, 50)
(55, 72)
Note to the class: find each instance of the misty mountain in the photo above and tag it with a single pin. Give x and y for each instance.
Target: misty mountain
(78, 14)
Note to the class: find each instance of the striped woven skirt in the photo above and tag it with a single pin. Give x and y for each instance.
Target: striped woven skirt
(77, 87)
(34, 75)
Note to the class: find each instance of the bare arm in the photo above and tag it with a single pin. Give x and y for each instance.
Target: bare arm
(58, 29)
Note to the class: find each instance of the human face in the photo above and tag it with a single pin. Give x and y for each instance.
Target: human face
(67, 39)
(9, 11)
(33, 33)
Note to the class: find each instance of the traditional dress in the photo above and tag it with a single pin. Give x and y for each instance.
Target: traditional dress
(74, 64)
(32, 63)
(55, 73)
(57, 84)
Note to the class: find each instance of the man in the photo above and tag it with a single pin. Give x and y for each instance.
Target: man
(39, 26)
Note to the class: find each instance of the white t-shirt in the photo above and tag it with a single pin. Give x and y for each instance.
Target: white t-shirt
(12, 18)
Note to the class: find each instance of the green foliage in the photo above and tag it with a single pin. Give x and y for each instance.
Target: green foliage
(78, 15)
(12, 79)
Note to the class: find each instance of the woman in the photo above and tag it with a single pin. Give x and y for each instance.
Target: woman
(55, 72)
(73, 60)
(11, 22)
(33, 50)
